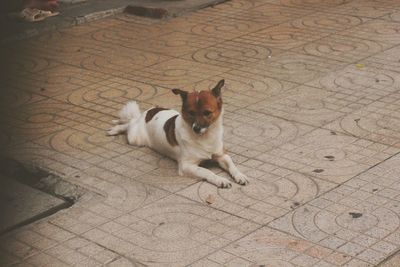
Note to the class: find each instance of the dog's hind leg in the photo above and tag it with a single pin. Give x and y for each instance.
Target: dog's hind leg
(118, 129)
(137, 133)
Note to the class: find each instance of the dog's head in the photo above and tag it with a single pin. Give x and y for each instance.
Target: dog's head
(201, 109)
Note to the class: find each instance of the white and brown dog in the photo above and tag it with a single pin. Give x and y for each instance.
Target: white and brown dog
(190, 138)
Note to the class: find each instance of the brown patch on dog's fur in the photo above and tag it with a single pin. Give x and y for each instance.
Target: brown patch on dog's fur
(202, 108)
(200, 102)
(152, 112)
(169, 129)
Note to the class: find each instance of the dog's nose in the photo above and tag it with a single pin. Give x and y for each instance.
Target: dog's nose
(196, 129)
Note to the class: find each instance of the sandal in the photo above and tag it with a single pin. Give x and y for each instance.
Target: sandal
(34, 14)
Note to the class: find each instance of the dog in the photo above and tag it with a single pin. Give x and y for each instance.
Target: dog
(189, 137)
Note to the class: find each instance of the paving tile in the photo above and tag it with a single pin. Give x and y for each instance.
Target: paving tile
(283, 36)
(393, 16)
(177, 73)
(342, 48)
(24, 61)
(111, 95)
(13, 248)
(127, 34)
(315, 4)
(307, 105)
(387, 60)
(358, 84)
(268, 14)
(174, 231)
(45, 260)
(233, 53)
(237, 6)
(120, 62)
(380, 180)
(177, 43)
(250, 133)
(226, 28)
(378, 121)
(269, 195)
(269, 247)
(57, 80)
(369, 9)
(377, 30)
(53, 46)
(329, 155)
(243, 89)
(369, 222)
(327, 22)
(294, 67)
(311, 116)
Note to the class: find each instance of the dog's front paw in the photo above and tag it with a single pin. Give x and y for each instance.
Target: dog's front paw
(223, 183)
(240, 178)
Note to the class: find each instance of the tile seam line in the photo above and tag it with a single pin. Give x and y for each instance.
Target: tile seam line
(223, 247)
(199, 35)
(322, 127)
(306, 203)
(218, 43)
(81, 236)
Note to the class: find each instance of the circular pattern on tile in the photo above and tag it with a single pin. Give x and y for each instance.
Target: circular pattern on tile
(238, 83)
(251, 131)
(342, 48)
(222, 28)
(313, 3)
(283, 37)
(265, 198)
(179, 227)
(37, 119)
(17, 63)
(120, 64)
(259, 191)
(172, 231)
(355, 223)
(271, 262)
(326, 22)
(125, 36)
(232, 53)
(41, 118)
(259, 132)
(309, 104)
(361, 83)
(312, 155)
(395, 16)
(175, 72)
(15, 98)
(373, 126)
(112, 95)
(316, 224)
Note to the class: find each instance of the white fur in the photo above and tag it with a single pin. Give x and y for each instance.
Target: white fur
(191, 149)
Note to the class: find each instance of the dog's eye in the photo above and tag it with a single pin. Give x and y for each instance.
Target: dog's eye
(207, 113)
(192, 113)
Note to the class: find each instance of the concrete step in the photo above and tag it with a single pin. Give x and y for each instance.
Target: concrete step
(75, 12)
(21, 204)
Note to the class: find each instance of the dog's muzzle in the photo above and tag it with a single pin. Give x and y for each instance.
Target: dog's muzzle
(198, 129)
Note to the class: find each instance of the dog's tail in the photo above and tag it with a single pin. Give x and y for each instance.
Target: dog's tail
(128, 112)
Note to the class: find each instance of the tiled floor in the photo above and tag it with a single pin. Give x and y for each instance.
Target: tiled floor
(312, 116)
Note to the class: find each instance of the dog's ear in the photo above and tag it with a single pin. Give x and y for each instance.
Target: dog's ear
(180, 92)
(216, 91)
